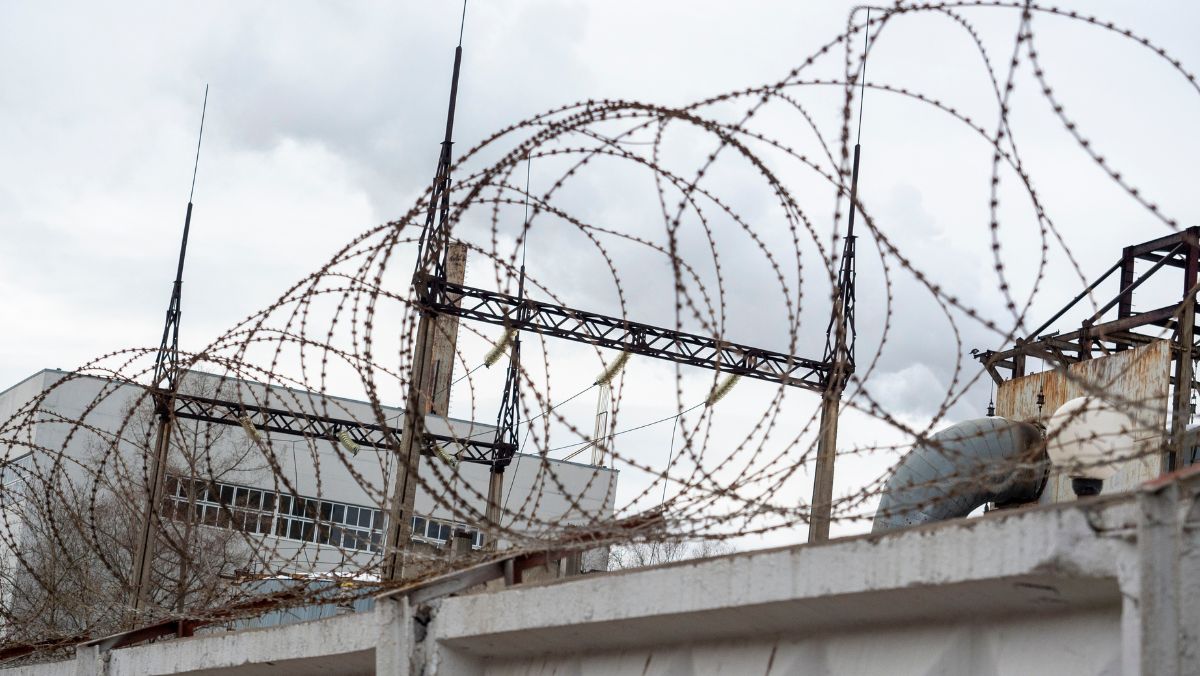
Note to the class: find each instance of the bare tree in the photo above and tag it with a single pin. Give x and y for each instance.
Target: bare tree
(643, 554)
(67, 572)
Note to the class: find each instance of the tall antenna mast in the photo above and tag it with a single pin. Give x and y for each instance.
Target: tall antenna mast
(166, 380)
(166, 364)
(432, 261)
(839, 341)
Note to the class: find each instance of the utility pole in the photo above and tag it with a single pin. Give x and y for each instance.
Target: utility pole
(445, 334)
(839, 352)
(839, 346)
(165, 383)
(431, 267)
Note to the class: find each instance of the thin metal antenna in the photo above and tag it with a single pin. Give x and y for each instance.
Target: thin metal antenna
(462, 24)
(167, 361)
(862, 96)
(525, 230)
(196, 166)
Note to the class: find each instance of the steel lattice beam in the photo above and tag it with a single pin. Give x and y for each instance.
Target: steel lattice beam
(314, 426)
(620, 334)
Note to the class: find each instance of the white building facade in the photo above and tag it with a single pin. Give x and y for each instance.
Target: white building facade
(315, 505)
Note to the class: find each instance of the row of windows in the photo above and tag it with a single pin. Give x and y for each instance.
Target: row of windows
(440, 531)
(292, 517)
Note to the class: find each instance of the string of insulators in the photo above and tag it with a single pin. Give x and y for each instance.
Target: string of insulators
(613, 369)
(722, 389)
(347, 443)
(248, 425)
(499, 348)
(446, 457)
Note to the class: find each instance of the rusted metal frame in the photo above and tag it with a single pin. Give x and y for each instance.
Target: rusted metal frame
(1060, 346)
(1116, 327)
(1125, 305)
(991, 369)
(1181, 410)
(1049, 353)
(179, 627)
(1165, 259)
(1127, 290)
(1126, 338)
(1158, 245)
(619, 334)
(1085, 340)
(1156, 316)
(1091, 287)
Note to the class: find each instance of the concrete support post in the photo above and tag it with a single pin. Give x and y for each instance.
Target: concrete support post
(393, 652)
(495, 502)
(445, 333)
(822, 500)
(1160, 638)
(147, 544)
(408, 457)
(90, 660)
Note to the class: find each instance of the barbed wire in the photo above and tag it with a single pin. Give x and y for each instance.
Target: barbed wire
(259, 516)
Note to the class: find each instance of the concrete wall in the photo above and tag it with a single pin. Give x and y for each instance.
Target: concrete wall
(1108, 586)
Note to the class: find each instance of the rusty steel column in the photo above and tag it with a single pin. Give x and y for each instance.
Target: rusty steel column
(1181, 409)
(1125, 303)
(445, 333)
(1018, 360)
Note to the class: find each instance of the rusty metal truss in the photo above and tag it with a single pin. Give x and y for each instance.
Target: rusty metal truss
(1106, 331)
(1120, 330)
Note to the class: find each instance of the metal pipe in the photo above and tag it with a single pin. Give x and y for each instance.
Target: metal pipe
(962, 467)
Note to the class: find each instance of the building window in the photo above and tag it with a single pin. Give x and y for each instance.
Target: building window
(292, 517)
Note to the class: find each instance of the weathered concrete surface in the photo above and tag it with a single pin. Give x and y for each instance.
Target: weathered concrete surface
(1104, 586)
(342, 645)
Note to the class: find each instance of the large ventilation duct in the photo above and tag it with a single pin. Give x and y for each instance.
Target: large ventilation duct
(962, 467)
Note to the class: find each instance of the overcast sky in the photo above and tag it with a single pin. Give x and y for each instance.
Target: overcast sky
(323, 121)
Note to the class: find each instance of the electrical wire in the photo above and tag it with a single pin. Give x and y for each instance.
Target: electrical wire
(631, 429)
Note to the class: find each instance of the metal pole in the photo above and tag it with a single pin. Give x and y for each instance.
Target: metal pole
(1183, 360)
